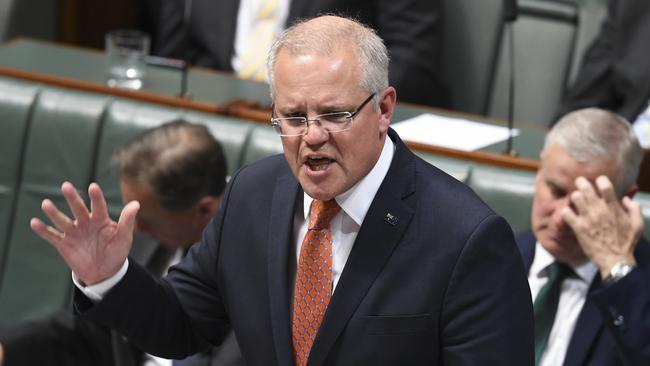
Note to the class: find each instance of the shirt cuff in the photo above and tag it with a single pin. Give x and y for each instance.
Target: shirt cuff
(97, 291)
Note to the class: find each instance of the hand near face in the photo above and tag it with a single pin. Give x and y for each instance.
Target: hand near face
(93, 245)
(607, 230)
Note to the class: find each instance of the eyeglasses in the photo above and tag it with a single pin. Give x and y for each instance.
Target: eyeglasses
(330, 122)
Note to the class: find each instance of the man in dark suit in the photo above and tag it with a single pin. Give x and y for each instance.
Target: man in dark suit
(584, 222)
(614, 74)
(177, 171)
(349, 250)
(203, 32)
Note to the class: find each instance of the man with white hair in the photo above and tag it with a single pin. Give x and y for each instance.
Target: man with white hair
(588, 265)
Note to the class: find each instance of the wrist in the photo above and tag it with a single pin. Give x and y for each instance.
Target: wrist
(618, 271)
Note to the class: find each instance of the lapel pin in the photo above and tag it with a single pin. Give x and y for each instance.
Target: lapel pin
(391, 219)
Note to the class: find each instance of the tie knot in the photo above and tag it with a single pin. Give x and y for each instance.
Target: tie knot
(321, 213)
(558, 271)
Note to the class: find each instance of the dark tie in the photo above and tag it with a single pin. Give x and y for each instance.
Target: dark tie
(545, 306)
(313, 279)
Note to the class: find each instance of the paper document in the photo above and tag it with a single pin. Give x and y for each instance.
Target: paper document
(455, 133)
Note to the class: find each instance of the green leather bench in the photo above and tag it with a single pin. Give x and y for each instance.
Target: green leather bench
(49, 135)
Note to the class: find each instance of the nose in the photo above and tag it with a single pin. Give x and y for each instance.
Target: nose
(315, 133)
(556, 216)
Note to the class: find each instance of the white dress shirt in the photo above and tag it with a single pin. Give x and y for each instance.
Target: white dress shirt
(642, 127)
(572, 298)
(246, 26)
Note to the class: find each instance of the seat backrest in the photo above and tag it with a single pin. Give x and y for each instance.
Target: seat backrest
(509, 192)
(61, 145)
(544, 37)
(263, 142)
(458, 169)
(471, 35)
(232, 133)
(16, 100)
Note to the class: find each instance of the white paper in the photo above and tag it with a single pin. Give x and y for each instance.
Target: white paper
(455, 133)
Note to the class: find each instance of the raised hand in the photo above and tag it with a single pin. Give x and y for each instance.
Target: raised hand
(607, 229)
(93, 245)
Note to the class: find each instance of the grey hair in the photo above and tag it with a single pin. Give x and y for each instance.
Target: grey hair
(595, 134)
(328, 33)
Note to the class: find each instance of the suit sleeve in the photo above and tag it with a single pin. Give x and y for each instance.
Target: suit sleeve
(173, 37)
(625, 307)
(63, 339)
(487, 316)
(594, 85)
(412, 32)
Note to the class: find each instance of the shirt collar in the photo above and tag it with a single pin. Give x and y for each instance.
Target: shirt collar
(586, 271)
(356, 201)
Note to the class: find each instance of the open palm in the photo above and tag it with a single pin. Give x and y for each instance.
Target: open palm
(93, 245)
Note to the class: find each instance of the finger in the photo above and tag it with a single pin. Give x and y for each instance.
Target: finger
(606, 189)
(77, 205)
(578, 200)
(126, 223)
(98, 208)
(587, 189)
(47, 233)
(58, 218)
(635, 213)
(570, 217)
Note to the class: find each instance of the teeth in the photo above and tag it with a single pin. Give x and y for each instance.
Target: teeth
(318, 163)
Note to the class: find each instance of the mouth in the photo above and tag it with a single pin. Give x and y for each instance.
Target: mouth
(562, 236)
(318, 163)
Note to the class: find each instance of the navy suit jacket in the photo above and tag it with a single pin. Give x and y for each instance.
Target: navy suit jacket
(614, 73)
(440, 284)
(411, 30)
(613, 327)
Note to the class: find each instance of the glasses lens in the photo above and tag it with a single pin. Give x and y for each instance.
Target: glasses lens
(290, 126)
(335, 122)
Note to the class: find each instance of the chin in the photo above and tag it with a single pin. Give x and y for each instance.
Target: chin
(566, 252)
(316, 190)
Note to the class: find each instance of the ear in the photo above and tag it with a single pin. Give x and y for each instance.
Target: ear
(207, 206)
(387, 101)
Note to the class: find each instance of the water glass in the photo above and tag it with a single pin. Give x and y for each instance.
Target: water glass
(126, 51)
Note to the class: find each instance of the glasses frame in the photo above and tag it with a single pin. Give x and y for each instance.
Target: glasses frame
(275, 122)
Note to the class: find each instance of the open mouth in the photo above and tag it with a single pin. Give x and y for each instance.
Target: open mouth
(318, 163)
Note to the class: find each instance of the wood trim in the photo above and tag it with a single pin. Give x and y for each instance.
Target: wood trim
(104, 89)
(482, 157)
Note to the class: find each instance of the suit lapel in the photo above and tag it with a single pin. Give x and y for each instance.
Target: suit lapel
(279, 274)
(373, 247)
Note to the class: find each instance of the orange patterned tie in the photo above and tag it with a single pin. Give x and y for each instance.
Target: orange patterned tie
(313, 279)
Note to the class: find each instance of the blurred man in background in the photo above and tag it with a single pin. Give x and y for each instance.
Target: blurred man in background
(177, 171)
(588, 267)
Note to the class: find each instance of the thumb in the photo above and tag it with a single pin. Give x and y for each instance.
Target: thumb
(126, 222)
